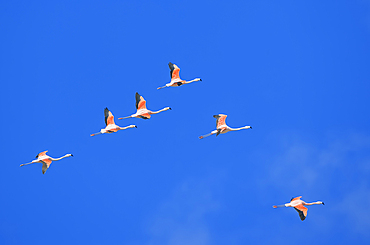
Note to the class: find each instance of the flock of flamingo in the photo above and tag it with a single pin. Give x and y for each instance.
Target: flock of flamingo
(144, 113)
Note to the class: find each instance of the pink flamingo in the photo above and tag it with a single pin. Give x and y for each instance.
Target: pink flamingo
(176, 81)
(45, 160)
(299, 206)
(111, 127)
(142, 112)
(222, 128)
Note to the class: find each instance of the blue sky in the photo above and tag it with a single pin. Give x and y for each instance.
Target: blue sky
(297, 72)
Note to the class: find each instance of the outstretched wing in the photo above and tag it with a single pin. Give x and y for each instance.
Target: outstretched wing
(218, 131)
(45, 165)
(295, 198)
(175, 71)
(140, 102)
(109, 118)
(41, 154)
(302, 211)
(220, 120)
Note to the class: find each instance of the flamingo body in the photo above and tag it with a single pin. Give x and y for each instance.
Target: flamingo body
(299, 206)
(221, 126)
(141, 110)
(176, 81)
(111, 127)
(45, 160)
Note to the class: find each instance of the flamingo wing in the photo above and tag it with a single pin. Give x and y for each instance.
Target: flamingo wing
(145, 116)
(41, 154)
(109, 118)
(140, 102)
(218, 132)
(220, 120)
(175, 71)
(302, 211)
(295, 198)
(45, 165)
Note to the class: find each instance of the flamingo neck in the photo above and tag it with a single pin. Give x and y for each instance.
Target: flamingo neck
(313, 203)
(60, 158)
(194, 80)
(236, 129)
(156, 112)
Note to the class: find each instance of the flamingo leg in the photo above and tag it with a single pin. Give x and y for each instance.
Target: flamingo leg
(95, 134)
(203, 136)
(279, 206)
(27, 164)
(162, 87)
(123, 117)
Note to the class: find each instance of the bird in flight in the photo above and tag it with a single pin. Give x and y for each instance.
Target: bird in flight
(142, 112)
(111, 127)
(299, 206)
(175, 77)
(222, 128)
(45, 160)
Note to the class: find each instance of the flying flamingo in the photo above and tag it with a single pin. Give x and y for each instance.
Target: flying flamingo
(142, 112)
(175, 77)
(222, 128)
(298, 205)
(111, 127)
(45, 160)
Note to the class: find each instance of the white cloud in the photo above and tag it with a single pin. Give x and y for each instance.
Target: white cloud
(181, 219)
(355, 207)
(337, 171)
(305, 165)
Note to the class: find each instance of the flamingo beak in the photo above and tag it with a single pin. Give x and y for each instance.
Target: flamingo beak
(251, 127)
(135, 126)
(200, 79)
(170, 108)
(71, 155)
(323, 203)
